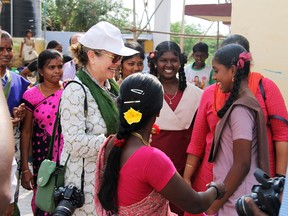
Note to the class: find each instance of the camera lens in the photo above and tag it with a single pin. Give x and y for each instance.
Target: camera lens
(242, 207)
(65, 208)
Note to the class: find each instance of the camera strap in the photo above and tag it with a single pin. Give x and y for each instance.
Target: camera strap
(82, 178)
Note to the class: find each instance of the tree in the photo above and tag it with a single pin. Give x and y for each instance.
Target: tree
(80, 15)
(190, 41)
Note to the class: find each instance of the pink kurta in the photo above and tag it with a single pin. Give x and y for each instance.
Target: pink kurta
(205, 124)
(139, 182)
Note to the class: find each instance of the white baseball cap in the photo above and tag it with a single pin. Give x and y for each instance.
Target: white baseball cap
(105, 36)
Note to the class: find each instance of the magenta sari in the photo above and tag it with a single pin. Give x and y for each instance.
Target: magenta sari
(44, 111)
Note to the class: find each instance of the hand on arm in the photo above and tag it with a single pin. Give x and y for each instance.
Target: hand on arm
(26, 135)
(182, 195)
(18, 114)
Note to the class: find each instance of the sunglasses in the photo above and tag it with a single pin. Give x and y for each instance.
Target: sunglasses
(8, 49)
(115, 58)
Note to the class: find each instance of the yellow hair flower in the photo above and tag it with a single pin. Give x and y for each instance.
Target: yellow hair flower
(132, 116)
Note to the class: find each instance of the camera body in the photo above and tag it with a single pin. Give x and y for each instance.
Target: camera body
(68, 198)
(265, 195)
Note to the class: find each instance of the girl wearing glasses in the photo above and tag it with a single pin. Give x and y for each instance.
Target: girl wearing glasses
(98, 54)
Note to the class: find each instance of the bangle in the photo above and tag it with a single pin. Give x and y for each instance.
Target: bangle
(217, 191)
(189, 165)
(25, 171)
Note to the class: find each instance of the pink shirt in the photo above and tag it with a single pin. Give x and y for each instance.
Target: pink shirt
(147, 169)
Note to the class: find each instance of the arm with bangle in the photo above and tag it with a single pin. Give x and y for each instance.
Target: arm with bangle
(26, 135)
(191, 166)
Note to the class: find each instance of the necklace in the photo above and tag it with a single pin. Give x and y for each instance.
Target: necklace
(170, 99)
(40, 88)
(140, 137)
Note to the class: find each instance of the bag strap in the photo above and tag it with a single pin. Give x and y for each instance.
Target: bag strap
(82, 178)
(264, 97)
(57, 124)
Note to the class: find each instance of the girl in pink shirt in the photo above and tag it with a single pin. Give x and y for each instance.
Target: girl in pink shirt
(133, 178)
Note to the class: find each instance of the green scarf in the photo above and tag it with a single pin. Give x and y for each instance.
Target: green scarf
(107, 106)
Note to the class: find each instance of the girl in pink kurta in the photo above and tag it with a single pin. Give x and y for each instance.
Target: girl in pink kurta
(207, 119)
(240, 142)
(133, 178)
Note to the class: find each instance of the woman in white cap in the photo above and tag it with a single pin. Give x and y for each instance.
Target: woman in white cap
(99, 53)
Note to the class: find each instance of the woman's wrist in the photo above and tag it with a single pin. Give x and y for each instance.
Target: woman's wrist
(25, 171)
(216, 189)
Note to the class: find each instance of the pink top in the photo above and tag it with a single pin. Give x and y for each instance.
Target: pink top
(205, 124)
(140, 175)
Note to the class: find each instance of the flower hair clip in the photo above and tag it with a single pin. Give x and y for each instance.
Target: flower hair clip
(155, 129)
(152, 54)
(132, 116)
(118, 143)
(243, 57)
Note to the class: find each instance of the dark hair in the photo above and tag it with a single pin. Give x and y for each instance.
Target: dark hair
(45, 57)
(28, 30)
(146, 89)
(200, 47)
(6, 35)
(229, 56)
(52, 44)
(159, 51)
(237, 39)
(135, 46)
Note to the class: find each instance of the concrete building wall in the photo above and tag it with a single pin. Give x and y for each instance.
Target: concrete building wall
(264, 23)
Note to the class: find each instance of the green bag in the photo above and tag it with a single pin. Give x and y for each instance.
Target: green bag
(49, 178)
(51, 173)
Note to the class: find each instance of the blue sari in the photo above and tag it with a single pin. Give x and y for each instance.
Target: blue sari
(14, 87)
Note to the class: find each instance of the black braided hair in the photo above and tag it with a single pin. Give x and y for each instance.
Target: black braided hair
(228, 56)
(159, 51)
(143, 93)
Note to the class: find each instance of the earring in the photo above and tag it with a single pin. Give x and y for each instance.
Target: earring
(232, 79)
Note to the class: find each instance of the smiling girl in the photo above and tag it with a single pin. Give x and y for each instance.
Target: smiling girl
(240, 140)
(181, 101)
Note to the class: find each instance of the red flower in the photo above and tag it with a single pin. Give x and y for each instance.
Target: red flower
(155, 129)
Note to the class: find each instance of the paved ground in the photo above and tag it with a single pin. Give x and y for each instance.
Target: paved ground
(24, 202)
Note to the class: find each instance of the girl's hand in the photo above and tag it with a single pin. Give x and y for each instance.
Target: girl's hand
(27, 181)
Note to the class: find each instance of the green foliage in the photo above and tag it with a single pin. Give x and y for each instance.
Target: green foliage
(80, 15)
(190, 41)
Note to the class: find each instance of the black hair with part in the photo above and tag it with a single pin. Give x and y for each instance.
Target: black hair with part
(229, 56)
(159, 51)
(44, 59)
(144, 93)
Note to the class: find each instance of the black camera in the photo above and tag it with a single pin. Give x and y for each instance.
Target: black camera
(68, 198)
(266, 195)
